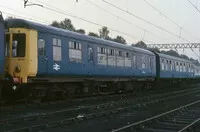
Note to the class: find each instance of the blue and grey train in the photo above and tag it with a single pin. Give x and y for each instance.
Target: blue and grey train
(77, 63)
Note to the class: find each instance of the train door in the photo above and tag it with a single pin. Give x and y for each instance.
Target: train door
(90, 58)
(42, 55)
(150, 63)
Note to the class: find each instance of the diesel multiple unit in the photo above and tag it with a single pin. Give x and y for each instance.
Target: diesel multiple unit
(39, 54)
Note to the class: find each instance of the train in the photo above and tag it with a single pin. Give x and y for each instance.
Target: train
(43, 61)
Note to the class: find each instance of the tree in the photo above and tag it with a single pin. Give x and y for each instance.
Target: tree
(171, 52)
(154, 49)
(184, 56)
(104, 32)
(56, 24)
(140, 44)
(109, 38)
(65, 24)
(10, 17)
(93, 34)
(82, 31)
(120, 39)
(196, 62)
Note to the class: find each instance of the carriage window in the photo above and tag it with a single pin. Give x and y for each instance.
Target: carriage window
(75, 45)
(19, 45)
(7, 45)
(57, 52)
(75, 53)
(170, 64)
(101, 50)
(119, 53)
(162, 65)
(111, 52)
(143, 62)
(150, 63)
(127, 55)
(134, 61)
(41, 47)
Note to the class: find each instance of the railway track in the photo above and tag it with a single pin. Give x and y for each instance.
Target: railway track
(20, 109)
(182, 119)
(48, 120)
(112, 121)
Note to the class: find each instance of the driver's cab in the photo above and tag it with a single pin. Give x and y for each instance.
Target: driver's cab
(21, 54)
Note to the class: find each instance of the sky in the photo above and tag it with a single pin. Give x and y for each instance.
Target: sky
(127, 23)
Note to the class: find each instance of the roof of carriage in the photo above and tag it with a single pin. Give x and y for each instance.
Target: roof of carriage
(173, 58)
(21, 23)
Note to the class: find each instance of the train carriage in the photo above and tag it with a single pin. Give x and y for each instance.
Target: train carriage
(174, 68)
(62, 60)
(40, 53)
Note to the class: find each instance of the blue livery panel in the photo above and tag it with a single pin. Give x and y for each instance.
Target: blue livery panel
(88, 65)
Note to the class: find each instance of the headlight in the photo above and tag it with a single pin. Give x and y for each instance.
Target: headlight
(17, 69)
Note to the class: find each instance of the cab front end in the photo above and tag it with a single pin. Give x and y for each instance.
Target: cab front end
(21, 54)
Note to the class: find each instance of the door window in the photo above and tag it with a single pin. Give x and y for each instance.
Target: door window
(19, 45)
(57, 52)
(90, 54)
(41, 47)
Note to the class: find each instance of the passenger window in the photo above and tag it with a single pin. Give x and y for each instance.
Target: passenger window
(75, 45)
(41, 47)
(119, 53)
(162, 65)
(57, 52)
(112, 52)
(150, 63)
(134, 61)
(19, 45)
(101, 50)
(75, 53)
(143, 62)
(127, 55)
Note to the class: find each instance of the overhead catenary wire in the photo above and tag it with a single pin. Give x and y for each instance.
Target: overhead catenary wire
(181, 28)
(35, 18)
(19, 16)
(194, 6)
(54, 9)
(146, 21)
(120, 17)
(195, 53)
